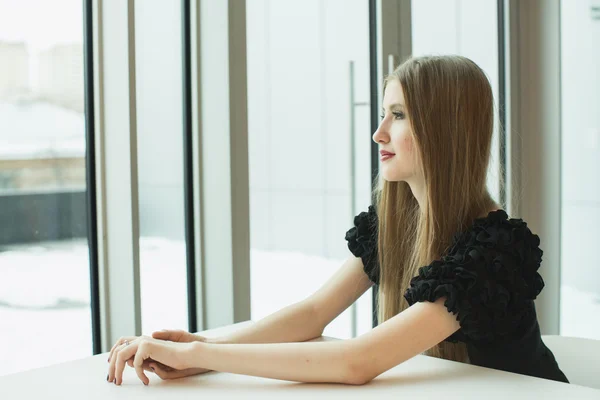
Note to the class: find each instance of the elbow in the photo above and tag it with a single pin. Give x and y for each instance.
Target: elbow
(358, 381)
(358, 370)
(316, 327)
(357, 375)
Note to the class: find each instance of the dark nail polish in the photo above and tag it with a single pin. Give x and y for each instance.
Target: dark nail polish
(106, 377)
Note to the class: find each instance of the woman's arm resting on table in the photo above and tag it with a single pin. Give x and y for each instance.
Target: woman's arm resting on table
(298, 322)
(307, 319)
(355, 361)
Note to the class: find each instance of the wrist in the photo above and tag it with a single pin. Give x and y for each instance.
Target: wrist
(195, 354)
(217, 341)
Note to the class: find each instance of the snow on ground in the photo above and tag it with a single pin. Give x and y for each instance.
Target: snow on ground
(44, 298)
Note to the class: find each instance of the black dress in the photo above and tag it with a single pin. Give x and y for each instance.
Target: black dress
(489, 278)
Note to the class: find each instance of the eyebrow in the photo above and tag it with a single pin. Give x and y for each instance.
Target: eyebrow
(393, 106)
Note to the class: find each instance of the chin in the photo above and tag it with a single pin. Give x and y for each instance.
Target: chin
(395, 172)
(394, 176)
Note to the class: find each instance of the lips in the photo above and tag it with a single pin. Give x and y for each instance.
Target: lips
(384, 153)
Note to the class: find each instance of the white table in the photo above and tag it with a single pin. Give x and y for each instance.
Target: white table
(421, 377)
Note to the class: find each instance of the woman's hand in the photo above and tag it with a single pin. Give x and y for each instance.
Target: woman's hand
(165, 372)
(145, 353)
(179, 336)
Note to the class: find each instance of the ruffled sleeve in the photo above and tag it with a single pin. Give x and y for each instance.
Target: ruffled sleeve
(489, 278)
(362, 242)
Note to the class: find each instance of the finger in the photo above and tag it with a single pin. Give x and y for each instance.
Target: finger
(149, 362)
(124, 354)
(165, 367)
(173, 336)
(161, 373)
(112, 349)
(164, 374)
(119, 343)
(138, 363)
(163, 333)
(113, 362)
(146, 364)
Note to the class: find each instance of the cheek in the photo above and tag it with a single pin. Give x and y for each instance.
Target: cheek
(408, 151)
(406, 145)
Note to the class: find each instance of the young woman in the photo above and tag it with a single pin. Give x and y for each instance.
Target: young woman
(457, 277)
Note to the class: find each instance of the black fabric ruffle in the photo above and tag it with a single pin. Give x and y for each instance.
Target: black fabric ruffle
(362, 242)
(489, 278)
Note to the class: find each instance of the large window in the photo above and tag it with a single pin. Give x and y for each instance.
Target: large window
(308, 93)
(580, 149)
(160, 165)
(44, 268)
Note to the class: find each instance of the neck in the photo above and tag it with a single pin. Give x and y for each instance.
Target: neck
(417, 187)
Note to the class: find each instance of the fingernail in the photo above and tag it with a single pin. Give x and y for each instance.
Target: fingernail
(107, 377)
(145, 384)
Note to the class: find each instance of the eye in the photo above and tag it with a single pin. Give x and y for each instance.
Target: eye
(382, 116)
(398, 115)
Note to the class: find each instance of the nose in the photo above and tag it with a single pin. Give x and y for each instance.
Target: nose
(381, 135)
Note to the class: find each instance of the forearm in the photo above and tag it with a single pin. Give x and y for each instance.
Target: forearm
(294, 323)
(335, 362)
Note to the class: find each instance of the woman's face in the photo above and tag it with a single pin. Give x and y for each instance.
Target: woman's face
(394, 135)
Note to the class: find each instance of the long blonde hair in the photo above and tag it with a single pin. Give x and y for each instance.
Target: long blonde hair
(450, 107)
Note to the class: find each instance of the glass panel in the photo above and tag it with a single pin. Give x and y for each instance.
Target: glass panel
(44, 264)
(580, 153)
(300, 110)
(468, 28)
(160, 165)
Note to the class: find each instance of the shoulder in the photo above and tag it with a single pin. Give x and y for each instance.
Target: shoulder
(506, 247)
(362, 241)
(364, 230)
(489, 277)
